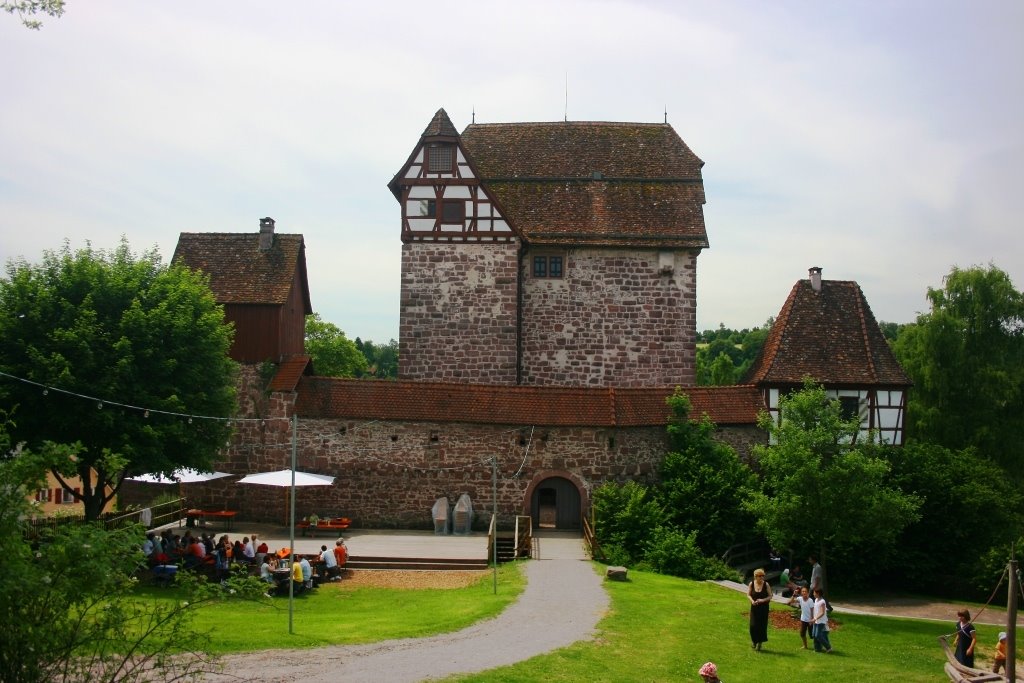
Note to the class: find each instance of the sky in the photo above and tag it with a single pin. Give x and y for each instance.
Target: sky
(881, 141)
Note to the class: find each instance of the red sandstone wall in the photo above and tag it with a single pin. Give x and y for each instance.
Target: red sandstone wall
(613, 320)
(458, 312)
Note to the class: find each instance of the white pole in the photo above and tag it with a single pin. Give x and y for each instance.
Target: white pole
(291, 526)
(494, 491)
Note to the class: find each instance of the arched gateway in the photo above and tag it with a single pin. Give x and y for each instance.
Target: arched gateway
(555, 502)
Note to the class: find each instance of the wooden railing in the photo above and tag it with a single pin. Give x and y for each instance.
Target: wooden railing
(524, 536)
(590, 539)
(160, 514)
(492, 538)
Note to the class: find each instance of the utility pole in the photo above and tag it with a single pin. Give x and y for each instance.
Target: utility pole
(1011, 622)
(494, 492)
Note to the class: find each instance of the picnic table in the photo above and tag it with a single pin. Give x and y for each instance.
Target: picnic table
(227, 516)
(335, 524)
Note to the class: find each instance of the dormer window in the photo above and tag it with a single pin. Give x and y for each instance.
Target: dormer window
(440, 158)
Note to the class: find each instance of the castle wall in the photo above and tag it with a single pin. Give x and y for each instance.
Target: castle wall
(458, 312)
(618, 317)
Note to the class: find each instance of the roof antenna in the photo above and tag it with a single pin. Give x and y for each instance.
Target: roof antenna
(474, 113)
(666, 113)
(566, 96)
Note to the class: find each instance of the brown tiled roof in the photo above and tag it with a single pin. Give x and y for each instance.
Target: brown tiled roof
(242, 274)
(592, 182)
(289, 373)
(830, 336)
(440, 125)
(328, 397)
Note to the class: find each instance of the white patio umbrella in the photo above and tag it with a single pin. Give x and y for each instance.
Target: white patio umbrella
(283, 478)
(184, 475)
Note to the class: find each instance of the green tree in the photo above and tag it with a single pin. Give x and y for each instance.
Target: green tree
(382, 358)
(109, 332)
(27, 9)
(968, 509)
(703, 482)
(333, 354)
(68, 599)
(966, 358)
(823, 488)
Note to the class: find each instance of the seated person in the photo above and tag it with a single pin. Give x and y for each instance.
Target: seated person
(298, 583)
(307, 572)
(340, 554)
(195, 554)
(267, 569)
(797, 577)
(330, 563)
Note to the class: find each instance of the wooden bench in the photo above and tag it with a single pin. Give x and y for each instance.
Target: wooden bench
(337, 524)
(228, 516)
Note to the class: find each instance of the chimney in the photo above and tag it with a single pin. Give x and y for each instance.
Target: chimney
(815, 273)
(266, 233)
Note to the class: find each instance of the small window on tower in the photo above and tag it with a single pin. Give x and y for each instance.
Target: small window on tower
(440, 158)
(548, 265)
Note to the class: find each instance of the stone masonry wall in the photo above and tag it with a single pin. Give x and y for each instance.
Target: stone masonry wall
(458, 312)
(614, 319)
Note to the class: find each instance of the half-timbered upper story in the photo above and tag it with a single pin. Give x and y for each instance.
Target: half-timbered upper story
(550, 254)
(826, 331)
(260, 279)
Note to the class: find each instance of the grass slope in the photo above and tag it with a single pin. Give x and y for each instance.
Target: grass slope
(329, 616)
(662, 629)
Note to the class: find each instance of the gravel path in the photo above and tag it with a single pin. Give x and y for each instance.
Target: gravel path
(561, 604)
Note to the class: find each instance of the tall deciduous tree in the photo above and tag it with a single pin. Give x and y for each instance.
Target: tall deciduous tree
(822, 489)
(126, 332)
(333, 354)
(966, 358)
(703, 482)
(68, 604)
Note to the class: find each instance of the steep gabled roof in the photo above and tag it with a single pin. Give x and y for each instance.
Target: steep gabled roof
(829, 335)
(440, 126)
(328, 397)
(241, 273)
(593, 183)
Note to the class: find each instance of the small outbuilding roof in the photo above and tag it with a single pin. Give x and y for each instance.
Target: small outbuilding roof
(830, 335)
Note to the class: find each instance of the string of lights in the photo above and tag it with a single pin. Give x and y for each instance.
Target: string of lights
(146, 412)
(366, 453)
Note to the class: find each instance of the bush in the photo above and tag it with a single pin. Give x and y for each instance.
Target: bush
(625, 517)
(676, 553)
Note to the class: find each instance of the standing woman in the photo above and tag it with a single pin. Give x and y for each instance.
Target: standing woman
(966, 637)
(760, 595)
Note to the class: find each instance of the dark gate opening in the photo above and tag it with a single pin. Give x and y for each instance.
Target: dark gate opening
(556, 504)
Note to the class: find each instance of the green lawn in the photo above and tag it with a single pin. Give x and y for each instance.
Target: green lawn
(663, 629)
(329, 616)
(659, 628)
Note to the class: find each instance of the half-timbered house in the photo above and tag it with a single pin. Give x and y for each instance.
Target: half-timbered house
(827, 332)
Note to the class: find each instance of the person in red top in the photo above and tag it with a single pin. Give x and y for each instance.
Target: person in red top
(340, 553)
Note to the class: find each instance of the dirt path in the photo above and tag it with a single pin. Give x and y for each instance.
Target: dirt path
(890, 605)
(561, 604)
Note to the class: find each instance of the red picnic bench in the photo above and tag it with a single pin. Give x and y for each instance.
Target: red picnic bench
(335, 524)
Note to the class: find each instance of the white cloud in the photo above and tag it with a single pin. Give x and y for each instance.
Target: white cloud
(878, 142)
